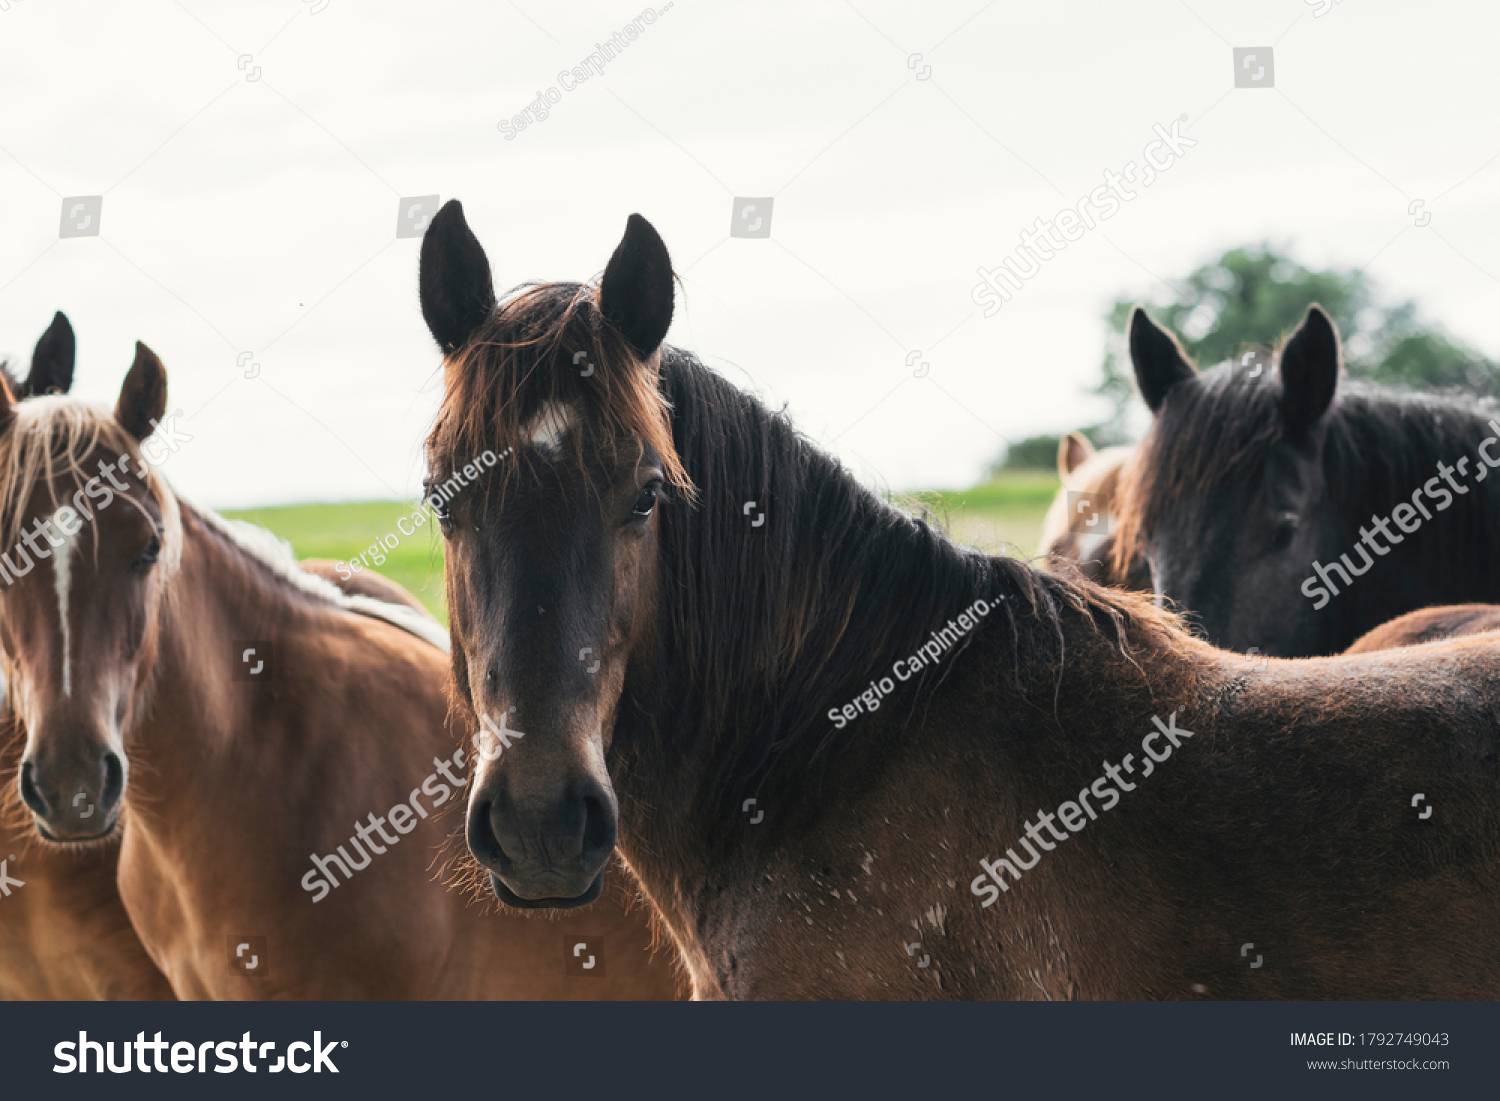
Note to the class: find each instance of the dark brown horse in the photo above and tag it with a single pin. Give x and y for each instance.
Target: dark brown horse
(276, 749)
(807, 718)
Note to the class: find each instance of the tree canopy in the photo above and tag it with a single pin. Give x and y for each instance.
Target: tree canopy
(1253, 295)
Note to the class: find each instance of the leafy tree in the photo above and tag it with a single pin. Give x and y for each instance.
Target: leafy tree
(1254, 294)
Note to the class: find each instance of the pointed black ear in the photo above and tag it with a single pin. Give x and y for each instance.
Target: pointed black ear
(52, 362)
(457, 291)
(1159, 361)
(1310, 361)
(636, 294)
(143, 396)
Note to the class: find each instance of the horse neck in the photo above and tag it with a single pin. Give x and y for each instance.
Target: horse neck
(219, 602)
(841, 582)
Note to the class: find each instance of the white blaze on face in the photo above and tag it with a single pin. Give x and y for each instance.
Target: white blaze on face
(1088, 543)
(62, 557)
(548, 427)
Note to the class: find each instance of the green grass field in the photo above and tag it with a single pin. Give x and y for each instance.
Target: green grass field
(1000, 516)
(345, 531)
(1003, 515)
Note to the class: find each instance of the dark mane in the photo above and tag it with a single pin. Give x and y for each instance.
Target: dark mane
(1380, 445)
(777, 623)
(513, 353)
(831, 590)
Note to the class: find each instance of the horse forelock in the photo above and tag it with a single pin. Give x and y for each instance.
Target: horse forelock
(547, 374)
(1212, 431)
(50, 438)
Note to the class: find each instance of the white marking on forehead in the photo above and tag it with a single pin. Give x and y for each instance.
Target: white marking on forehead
(62, 565)
(1089, 543)
(548, 427)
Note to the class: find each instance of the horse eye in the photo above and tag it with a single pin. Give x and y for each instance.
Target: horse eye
(646, 502)
(150, 554)
(1286, 530)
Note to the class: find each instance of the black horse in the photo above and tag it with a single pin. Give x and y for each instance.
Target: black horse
(1291, 513)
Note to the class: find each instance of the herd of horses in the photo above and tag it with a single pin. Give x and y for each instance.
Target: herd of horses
(656, 597)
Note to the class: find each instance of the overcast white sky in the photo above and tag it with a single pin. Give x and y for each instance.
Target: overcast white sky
(259, 215)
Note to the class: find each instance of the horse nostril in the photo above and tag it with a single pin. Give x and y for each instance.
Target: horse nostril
(114, 780)
(30, 795)
(483, 842)
(600, 828)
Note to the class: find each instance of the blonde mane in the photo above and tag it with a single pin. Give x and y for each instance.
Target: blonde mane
(276, 555)
(53, 435)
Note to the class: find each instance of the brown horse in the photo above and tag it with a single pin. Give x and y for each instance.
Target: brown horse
(1080, 519)
(1430, 625)
(812, 717)
(64, 934)
(277, 748)
(1081, 513)
(67, 935)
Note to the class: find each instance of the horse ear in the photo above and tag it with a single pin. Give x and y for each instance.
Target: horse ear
(1072, 453)
(1310, 362)
(636, 293)
(1159, 361)
(143, 397)
(457, 292)
(52, 361)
